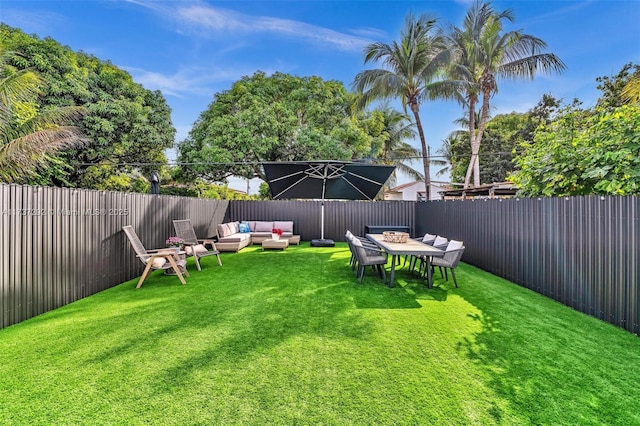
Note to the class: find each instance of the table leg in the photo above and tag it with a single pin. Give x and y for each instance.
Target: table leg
(428, 265)
(393, 270)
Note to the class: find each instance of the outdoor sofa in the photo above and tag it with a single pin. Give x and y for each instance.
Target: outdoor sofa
(234, 236)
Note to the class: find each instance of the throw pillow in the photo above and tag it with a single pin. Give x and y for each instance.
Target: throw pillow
(454, 245)
(244, 227)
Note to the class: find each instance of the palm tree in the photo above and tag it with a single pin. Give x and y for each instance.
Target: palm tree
(631, 91)
(29, 135)
(482, 54)
(413, 70)
(395, 151)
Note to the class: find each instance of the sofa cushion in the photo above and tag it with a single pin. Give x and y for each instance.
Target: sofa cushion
(244, 227)
(252, 225)
(286, 226)
(223, 230)
(234, 227)
(263, 226)
(235, 238)
(261, 234)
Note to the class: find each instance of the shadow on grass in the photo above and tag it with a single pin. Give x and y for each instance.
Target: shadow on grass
(555, 365)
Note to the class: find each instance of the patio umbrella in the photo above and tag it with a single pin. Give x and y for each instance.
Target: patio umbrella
(323, 180)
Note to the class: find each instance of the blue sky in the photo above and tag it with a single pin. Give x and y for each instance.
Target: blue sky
(191, 50)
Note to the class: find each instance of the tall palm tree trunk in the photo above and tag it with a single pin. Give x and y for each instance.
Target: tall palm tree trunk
(425, 152)
(472, 140)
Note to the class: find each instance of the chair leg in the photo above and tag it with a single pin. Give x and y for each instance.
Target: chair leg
(361, 272)
(453, 274)
(219, 261)
(197, 262)
(144, 274)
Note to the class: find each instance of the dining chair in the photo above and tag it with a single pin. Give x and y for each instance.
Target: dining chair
(452, 255)
(368, 256)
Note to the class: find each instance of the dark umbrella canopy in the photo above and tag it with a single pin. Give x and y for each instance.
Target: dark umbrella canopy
(325, 180)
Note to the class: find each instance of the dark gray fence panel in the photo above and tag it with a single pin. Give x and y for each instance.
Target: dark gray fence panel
(580, 251)
(58, 245)
(338, 215)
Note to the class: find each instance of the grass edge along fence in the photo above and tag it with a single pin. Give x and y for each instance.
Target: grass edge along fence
(583, 252)
(58, 245)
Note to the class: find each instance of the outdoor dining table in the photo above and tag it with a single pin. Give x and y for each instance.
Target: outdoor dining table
(411, 247)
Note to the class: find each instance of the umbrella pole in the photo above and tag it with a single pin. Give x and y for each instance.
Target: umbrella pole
(322, 221)
(322, 242)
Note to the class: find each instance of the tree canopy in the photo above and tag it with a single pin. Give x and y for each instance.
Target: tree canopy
(124, 122)
(29, 135)
(583, 152)
(275, 118)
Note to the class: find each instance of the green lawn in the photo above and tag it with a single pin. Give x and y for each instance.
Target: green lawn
(290, 337)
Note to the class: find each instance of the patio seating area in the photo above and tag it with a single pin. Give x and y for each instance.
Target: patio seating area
(291, 337)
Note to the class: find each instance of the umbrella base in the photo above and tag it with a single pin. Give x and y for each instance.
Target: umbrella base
(322, 243)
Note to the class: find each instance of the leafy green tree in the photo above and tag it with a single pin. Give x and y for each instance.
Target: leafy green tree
(124, 123)
(503, 136)
(484, 52)
(30, 134)
(412, 73)
(582, 153)
(273, 118)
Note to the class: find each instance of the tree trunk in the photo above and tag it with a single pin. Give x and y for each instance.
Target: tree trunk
(472, 141)
(484, 113)
(425, 152)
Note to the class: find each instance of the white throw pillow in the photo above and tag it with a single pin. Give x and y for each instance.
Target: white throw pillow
(440, 241)
(428, 237)
(454, 245)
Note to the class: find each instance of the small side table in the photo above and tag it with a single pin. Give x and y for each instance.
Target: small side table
(275, 244)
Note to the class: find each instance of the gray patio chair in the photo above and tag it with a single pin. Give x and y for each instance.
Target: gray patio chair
(192, 245)
(349, 236)
(368, 256)
(428, 239)
(163, 259)
(450, 260)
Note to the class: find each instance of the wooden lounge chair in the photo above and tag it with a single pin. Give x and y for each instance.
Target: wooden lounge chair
(155, 259)
(192, 245)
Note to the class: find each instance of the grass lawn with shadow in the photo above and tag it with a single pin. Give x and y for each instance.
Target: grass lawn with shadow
(290, 337)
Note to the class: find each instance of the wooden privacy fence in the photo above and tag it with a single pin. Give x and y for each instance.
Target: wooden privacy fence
(58, 245)
(581, 251)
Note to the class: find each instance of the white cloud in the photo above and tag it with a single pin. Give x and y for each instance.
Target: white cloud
(34, 21)
(186, 81)
(208, 21)
(190, 81)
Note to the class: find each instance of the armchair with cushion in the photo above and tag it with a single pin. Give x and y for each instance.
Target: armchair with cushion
(192, 245)
(155, 259)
